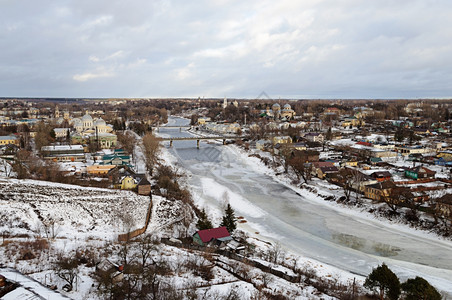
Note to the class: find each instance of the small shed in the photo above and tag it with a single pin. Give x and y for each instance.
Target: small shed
(108, 268)
(144, 187)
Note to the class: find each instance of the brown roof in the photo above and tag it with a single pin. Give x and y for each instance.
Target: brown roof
(380, 174)
(319, 164)
(446, 199)
(383, 185)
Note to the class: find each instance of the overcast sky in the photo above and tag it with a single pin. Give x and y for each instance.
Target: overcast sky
(219, 48)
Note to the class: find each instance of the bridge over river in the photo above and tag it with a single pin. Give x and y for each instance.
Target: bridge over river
(172, 127)
(198, 138)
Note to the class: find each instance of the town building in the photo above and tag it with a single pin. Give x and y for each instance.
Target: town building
(63, 153)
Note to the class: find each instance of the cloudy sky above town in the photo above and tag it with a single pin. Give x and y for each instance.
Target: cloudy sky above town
(219, 48)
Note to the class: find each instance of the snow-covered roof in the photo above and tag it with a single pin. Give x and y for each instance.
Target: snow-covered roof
(62, 147)
(100, 122)
(29, 288)
(8, 137)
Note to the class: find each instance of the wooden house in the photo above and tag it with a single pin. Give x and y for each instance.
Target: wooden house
(144, 187)
(324, 172)
(381, 175)
(379, 191)
(419, 172)
(444, 206)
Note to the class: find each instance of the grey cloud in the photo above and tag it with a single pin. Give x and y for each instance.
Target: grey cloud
(334, 49)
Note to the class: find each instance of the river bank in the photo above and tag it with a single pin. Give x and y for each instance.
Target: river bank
(321, 231)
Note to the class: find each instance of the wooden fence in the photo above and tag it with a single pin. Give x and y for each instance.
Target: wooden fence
(130, 235)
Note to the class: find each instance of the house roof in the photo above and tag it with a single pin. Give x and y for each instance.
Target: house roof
(364, 144)
(422, 169)
(380, 174)
(28, 288)
(329, 169)
(144, 181)
(207, 235)
(446, 199)
(313, 134)
(8, 137)
(113, 156)
(320, 164)
(383, 185)
(62, 148)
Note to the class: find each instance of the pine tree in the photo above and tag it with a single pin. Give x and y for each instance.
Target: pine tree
(229, 220)
(419, 288)
(385, 281)
(203, 222)
(329, 135)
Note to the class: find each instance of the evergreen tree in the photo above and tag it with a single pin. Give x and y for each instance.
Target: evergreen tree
(383, 280)
(52, 134)
(329, 134)
(229, 220)
(399, 135)
(419, 289)
(203, 222)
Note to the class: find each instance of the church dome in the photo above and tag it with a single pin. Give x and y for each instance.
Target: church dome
(87, 118)
(287, 106)
(99, 122)
(276, 106)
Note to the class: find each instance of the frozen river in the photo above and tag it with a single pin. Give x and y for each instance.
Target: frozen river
(308, 227)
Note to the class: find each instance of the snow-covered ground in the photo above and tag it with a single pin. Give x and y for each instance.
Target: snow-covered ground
(75, 211)
(88, 222)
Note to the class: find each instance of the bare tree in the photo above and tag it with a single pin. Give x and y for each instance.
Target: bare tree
(127, 141)
(151, 148)
(358, 178)
(67, 269)
(346, 183)
(275, 253)
(6, 167)
(301, 168)
(51, 228)
(145, 247)
(395, 196)
(267, 278)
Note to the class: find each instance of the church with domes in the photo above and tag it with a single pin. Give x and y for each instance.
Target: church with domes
(284, 114)
(87, 125)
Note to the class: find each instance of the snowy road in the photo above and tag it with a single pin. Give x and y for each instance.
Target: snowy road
(305, 224)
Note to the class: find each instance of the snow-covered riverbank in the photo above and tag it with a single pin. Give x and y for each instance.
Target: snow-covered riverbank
(304, 223)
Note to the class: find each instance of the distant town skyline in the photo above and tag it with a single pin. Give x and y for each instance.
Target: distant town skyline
(352, 49)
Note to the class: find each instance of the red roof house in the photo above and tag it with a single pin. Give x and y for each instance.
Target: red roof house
(203, 237)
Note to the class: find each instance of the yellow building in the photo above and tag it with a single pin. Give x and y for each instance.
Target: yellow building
(352, 163)
(99, 169)
(379, 191)
(281, 140)
(9, 139)
(127, 183)
(352, 122)
(203, 120)
(447, 155)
